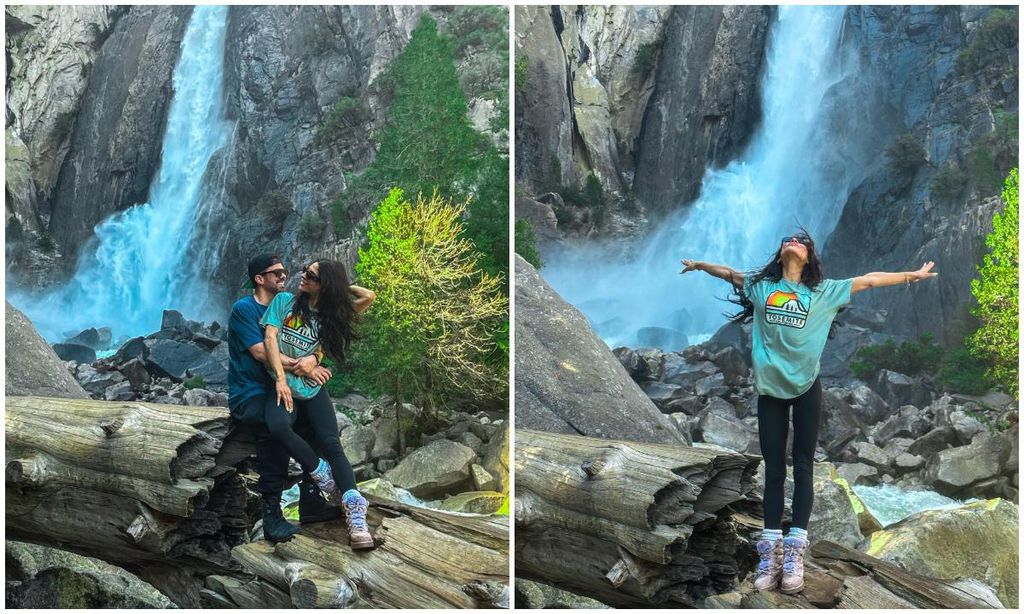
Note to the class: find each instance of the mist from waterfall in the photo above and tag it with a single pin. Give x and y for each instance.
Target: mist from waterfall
(142, 260)
(799, 169)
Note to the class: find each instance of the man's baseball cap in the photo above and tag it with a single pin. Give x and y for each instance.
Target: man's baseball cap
(259, 264)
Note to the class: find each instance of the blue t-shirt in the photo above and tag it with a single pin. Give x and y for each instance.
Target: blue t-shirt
(791, 324)
(247, 377)
(296, 339)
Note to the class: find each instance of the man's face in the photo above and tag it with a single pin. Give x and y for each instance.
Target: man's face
(272, 279)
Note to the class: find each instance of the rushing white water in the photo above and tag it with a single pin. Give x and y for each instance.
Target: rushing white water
(140, 260)
(889, 504)
(799, 169)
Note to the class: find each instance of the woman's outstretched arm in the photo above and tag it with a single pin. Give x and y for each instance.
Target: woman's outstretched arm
(875, 280)
(715, 270)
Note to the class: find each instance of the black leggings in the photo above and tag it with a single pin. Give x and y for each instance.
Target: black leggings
(324, 424)
(773, 430)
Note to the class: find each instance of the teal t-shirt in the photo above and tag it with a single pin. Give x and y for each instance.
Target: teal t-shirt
(791, 324)
(296, 339)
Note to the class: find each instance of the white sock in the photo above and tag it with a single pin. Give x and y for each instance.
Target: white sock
(771, 534)
(798, 532)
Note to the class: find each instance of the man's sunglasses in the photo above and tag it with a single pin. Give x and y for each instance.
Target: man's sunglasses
(310, 275)
(275, 273)
(804, 240)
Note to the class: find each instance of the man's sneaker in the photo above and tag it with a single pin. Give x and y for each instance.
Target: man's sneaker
(313, 508)
(275, 527)
(769, 569)
(793, 564)
(355, 516)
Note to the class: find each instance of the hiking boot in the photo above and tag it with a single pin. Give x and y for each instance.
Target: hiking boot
(355, 516)
(313, 508)
(275, 527)
(769, 569)
(325, 480)
(793, 564)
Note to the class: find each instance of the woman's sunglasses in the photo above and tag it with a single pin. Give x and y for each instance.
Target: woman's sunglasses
(804, 240)
(310, 275)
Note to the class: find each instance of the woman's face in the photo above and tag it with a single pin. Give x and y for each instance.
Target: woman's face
(793, 249)
(310, 280)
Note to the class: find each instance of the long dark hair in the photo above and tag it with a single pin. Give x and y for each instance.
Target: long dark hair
(334, 310)
(772, 271)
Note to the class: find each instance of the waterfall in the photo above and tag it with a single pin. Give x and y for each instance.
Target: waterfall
(809, 151)
(142, 260)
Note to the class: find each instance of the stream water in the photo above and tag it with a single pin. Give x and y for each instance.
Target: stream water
(889, 504)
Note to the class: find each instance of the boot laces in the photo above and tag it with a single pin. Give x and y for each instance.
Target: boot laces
(356, 509)
(790, 558)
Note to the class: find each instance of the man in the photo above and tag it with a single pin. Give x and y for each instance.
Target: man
(248, 382)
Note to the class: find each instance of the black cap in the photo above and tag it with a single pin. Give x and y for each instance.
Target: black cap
(259, 264)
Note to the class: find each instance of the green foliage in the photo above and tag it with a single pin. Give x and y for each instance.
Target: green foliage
(339, 385)
(194, 382)
(993, 43)
(483, 31)
(948, 182)
(645, 58)
(522, 67)
(348, 112)
(553, 182)
(312, 227)
(428, 143)
(996, 290)
(909, 357)
(526, 243)
(905, 154)
(274, 205)
(995, 153)
(590, 196)
(63, 123)
(430, 337)
(981, 165)
(961, 371)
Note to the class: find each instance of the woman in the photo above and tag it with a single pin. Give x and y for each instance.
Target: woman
(792, 307)
(320, 316)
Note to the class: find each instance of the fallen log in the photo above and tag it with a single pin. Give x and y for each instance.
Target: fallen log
(424, 559)
(631, 524)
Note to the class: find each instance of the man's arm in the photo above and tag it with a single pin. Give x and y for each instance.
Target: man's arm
(301, 366)
(879, 279)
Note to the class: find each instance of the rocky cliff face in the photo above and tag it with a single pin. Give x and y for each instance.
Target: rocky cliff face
(897, 219)
(642, 97)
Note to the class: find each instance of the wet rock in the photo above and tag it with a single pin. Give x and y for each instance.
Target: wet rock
(438, 468)
(73, 351)
(977, 540)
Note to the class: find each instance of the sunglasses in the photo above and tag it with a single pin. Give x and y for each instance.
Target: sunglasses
(275, 273)
(803, 240)
(310, 275)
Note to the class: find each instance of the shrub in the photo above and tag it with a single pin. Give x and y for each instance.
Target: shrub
(962, 372)
(348, 112)
(948, 182)
(274, 205)
(526, 243)
(905, 154)
(995, 39)
(996, 290)
(311, 227)
(194, 382)
(909, 357)
(981, 164)
(645, 59)
(522, 68)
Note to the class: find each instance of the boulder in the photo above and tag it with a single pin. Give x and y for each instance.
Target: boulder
(905, 462)
(119, 392)
(728, 431)
(898, 389)
(438, 468)
(682, 372)
(952, 471)
(31, 366)
(857, 473)
(632, 363)
(977, 540)
(872, 407)
(173, 320)
(689, 404)
(662, 393)
(96, 381)
(841, 423)
(95, 338)
(733, 366)
(39, 577)
(871, 454)
(471, 441)
(482, 479)
(358, 442)
(174, 359)
(933, 442)
(966, 425)
(73, 351)
(136, 373)
(712, 385)
(133, 348)
(200, 397)
(213, 367)
(832, 515)
(496, 459)
(566, 378)
(386, 442)
(866, 521)
(474, 502)
(908, 421)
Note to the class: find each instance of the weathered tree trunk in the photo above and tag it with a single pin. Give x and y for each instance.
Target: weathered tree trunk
(156, 489)
(125, 482)
(424, 559)
(630, 524)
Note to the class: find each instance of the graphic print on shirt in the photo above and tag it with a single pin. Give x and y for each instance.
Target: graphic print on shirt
(785, 308)
(294, 334)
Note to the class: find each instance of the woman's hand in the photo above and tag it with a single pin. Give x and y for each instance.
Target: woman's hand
(922, 273)
(689, 265)
(284, 393)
